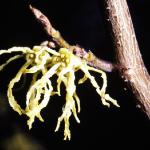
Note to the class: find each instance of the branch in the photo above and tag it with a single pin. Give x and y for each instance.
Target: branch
(91, 59)
(129, 59)
(49, 28)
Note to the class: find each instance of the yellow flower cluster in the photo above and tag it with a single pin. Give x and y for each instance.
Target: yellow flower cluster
(48, 62)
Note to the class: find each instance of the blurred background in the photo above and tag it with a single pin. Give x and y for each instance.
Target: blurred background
(82, 22)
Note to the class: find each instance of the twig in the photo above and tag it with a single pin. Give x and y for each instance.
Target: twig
(49, 28)
(129, 59)
(91, 59)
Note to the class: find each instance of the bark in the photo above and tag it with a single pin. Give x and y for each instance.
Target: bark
(129, 60)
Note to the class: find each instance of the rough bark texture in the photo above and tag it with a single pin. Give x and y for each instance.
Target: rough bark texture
(129, 60)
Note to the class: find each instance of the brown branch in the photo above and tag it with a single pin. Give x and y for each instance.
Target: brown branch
(129, 59)
(49, 28)
(91, 59)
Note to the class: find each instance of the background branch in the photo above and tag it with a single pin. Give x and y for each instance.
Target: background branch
(129, 60)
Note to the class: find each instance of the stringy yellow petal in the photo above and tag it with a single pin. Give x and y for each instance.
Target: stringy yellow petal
(13, 103)
(42, 63)
(10, 60)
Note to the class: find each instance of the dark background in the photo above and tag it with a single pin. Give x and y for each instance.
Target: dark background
(80, 22)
